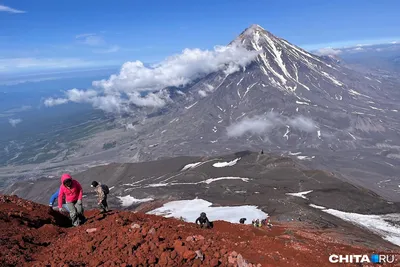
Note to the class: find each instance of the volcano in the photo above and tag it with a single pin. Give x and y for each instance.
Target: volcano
(286, 101)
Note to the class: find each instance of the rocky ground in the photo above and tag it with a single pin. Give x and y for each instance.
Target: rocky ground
(34, 235)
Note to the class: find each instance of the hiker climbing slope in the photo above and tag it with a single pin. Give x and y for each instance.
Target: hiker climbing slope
(102, 191)
(203, 220)
(72, 190)
(53, 199)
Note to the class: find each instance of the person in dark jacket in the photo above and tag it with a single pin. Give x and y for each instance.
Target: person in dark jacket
(203, 221)
(53, 199)
(242, 220)
(102, 191)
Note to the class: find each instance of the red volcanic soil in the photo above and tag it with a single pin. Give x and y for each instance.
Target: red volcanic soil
(34, 235)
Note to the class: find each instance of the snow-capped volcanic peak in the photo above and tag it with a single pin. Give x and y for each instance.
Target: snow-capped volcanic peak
(287, 66)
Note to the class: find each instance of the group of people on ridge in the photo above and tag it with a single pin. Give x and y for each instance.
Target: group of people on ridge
(257, 223)
(70, 194)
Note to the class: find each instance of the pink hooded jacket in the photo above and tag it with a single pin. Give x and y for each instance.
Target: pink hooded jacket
(71, 194)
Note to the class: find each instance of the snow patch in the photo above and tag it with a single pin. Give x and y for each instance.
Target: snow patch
(378, 224)
(376, 108)
(338, 97)
(248, 88)
(317, 207)
(191, 166)
(287, 131)
(225, 164)
(353, 92)
(319, 134)
(240, 81)
(191, 209)
(300, 194)
(189, 107)
(305, 157)
(211, 180)
(129, 200)
(302, 103)
(352, 136)
(208, 181)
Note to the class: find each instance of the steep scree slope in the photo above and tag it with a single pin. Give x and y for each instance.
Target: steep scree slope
(32, 235)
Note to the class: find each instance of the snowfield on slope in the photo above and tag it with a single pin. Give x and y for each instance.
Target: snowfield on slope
(190, 210)
(208, 181)
(300, 194)
(226, 164)
(129, 200)
(191, 166)
(387, 226)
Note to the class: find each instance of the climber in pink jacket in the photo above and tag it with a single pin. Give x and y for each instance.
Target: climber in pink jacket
(72, 190)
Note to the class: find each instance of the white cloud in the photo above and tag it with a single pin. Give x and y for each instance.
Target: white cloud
(158, 99)
(20, 109)
(12, 64)
(83, 35)
(256, 125)
(202, 93)
(50, 102)
(259, 125)
(139, 85)
(177, 70)
(10, 10)
(109, 103)
(14, 122)
(302, 123)
(90, 39)
(112, 49)
(80, 96)
(208, 89)
(328, 51)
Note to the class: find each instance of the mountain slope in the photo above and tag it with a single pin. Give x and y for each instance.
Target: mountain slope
(38, 238)
(279, 187)
(286, 101)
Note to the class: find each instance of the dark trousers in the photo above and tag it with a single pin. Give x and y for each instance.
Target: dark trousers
(76, 213)
(103, 205)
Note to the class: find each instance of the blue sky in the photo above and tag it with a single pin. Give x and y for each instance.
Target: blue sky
(44, 34)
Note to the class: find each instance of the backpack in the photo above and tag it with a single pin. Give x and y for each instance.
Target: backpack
(105, 188)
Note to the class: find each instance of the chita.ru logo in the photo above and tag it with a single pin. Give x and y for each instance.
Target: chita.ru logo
(374, 258)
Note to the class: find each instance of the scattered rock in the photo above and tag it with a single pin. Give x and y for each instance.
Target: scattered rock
(189, 239)
(199, 237)
(135, 226)
(234, 254)
(199, 254)
(189, 255)
(240, 261)
(149, 241)
(231, 260)
(214, 262)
